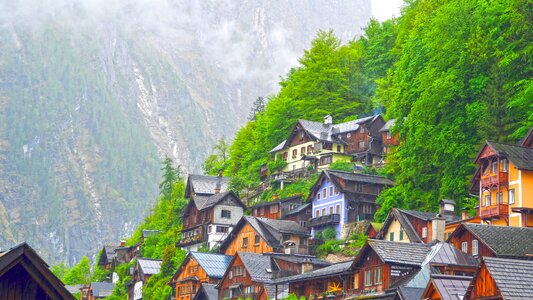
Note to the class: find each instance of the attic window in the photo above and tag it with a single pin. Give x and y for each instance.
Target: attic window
(225, 214)
(424, 232)
(505, 165)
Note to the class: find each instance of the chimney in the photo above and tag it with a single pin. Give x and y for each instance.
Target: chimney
(275, 197)
(217, 188)
(219, 173)
(438, 225)
(328, 120)
(447, 207)
(122, 243)
(465, 215)
(307, 266)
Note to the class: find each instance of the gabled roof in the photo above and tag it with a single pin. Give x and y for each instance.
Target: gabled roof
(299, 259)
(387, 125)
(409, 293)
(279, 147)
(521, 157)
(446, 254)
(513, 277)
(257, 265)
(205, 202)
(24, 256)
(205, 185)
(409, 254)
(215, 265)
(149, 266)
(299, 209)
(102, 289)
(504, 241)
(277, 201)
(450, 287)
(108, 254)
(207, 291)
(270, 230)
(332, 270)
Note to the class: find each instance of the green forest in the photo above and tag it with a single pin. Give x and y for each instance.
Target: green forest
(452, 73)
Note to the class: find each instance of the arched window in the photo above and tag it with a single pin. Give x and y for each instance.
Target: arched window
(294, 153)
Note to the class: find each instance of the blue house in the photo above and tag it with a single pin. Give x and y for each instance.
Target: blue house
(340, 198)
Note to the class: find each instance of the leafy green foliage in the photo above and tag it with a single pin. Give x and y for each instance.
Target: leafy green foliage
(218, 159)
(342, 166)
(79, 274)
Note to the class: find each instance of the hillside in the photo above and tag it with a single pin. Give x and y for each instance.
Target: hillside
(93, 95)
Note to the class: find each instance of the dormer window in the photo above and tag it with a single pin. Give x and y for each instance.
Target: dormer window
(505, 165)
(494, 166)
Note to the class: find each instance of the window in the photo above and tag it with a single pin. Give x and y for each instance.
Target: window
(193, 269)
(257, 239)
(294, 153)
(494, 166)
(324, 193)
(401, 234)
(222, 229)
(511, 196)
(238, 270)
(273, 209)
(424, 232)
(209, 229)
(303, 223)
(309, 149)
(318, 196)
(225, 214)
(285, 155)
(368, 277)
(331, 210)
(378, 275)
(391, 236)
(388, 135)
(330, 191)
(249, 290)
(505, 165)
(338, 148)
(487, 200)
(359, 187)
(474, 248)
(302, 151)
(361, 144)
(262, 210)
(356, 281)
(338, 209)
(325, 160)
(324, 211)
(336, 191)
(464, 247)
(245, 242)
(348, 135)
(317, 213)
(500, 197)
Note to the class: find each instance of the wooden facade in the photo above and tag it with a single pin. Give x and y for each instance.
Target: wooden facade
(484, 286)
(188, 279)
(246, 239)
(237, 283)
(464, 237)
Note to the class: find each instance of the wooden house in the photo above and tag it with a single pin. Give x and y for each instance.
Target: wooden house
(411, 226)
(504, 183)
(262, 235)
(316, 145)
(250, 276)
(389, 140)
(446, 287)
(97, 290)
(107, 257)
(340, 198)
(25, 275)
(198, 268)
(290, 208)
(210, 214)
(502, 279)
(143, 270)
(207, 291)
(493, 241)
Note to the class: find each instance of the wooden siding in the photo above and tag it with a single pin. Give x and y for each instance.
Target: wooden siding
(230, 279)
(466, 236)
(318, 287)
(371, 262)
(266, 211)
(247, 231)
(418, 225)
(18, 284)
(484, 286)
(186, 290)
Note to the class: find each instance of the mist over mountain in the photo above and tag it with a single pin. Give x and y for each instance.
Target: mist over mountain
(94, 93)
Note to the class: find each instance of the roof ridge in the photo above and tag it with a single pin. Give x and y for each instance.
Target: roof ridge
(506, 144)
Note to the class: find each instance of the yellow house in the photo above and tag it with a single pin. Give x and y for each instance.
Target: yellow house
(504, 182)
(318, 144)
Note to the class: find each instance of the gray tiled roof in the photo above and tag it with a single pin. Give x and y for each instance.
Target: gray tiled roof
(267, 203)
(329, 271)
(514, 278)
(521, 157)
(298, 258)
(205, 202)
(505, 241)
(299, 209)
(451, 287)
(207, 291)
(257, 265)
(413, 254)
(447, 254)
(279, 147)
(215, 265)
(203, 184)
(102, 289)
(427, 216)
(149, 266)
(387, 125)
(271, 230)
(410, 293)
(283, 291)
(358, 177)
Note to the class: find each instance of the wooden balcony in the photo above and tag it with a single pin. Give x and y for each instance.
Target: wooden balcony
(496, 210)
(326, 220)
(195, 239)
(497, 178)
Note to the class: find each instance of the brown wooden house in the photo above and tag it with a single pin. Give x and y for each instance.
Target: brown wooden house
(493, 241)
(446, 287)
(25, 275)
(262, 235)
(210, 214)
(208, 291)
(290, 208)
(97, 290)
(196, 269)
(389, 140)
(502, 279)
(250, 276)
(143, 270)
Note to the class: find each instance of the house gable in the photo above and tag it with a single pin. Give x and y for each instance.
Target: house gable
(235, 242)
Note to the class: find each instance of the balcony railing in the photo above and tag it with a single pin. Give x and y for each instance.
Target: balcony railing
(324, 220)
(495, 178)
(496, 210)
(190, 240)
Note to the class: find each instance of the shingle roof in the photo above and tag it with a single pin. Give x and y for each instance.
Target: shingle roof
(276, 201)
(299, 209)
(277, 227)
(358, 177)
(207, 291)
(149, 266)
(446, 254)
(387, 125)
(427, 216)
(203, 184)
(297, 258)
(410, 293)
(102, 289)
(413, 254)
(258, 266)
(279, 147)
(329, 271)
(451, 287)
(521, 157)
(513, 278)
(215, 265)
(505, 241)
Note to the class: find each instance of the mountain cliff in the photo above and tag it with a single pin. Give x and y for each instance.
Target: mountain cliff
(93, 94)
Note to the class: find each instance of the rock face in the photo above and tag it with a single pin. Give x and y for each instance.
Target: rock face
(93, 94)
